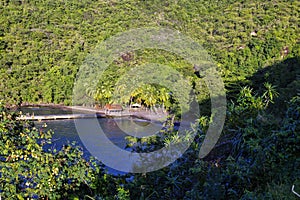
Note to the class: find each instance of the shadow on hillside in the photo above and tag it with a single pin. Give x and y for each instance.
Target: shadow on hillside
(285, 76)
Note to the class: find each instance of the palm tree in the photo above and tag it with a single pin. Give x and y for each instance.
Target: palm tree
(103, 94)
(149, 95)
(137, 95)
(163, 96)
(270, 93)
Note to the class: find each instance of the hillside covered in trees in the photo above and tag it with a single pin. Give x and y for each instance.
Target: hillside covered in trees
(254, 43)
(43, 43)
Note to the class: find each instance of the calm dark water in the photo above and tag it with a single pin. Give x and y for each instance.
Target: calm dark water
(116, 129)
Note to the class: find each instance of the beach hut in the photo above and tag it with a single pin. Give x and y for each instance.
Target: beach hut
(113, 108)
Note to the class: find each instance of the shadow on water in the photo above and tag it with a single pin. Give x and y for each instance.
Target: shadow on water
(65, 132)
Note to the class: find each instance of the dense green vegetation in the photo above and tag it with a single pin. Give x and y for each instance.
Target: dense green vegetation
(43, 43)
(256, 47)
(257, 158)
(31, 168)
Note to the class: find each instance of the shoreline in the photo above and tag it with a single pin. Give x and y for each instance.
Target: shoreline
(141, 114)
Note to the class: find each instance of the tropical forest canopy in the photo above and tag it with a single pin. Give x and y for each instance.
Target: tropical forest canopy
(43, 43)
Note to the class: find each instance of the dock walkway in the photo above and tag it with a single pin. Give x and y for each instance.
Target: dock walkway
(94, 113)
(57, 117)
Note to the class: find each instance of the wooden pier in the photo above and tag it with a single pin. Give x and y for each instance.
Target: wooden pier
(71, 116)
(84, 112)
(58, 117)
